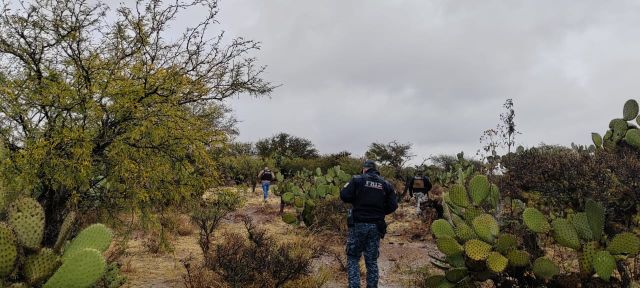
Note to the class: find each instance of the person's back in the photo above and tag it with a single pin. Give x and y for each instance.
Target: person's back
(420, 186)
(265, 176)
(372, 198)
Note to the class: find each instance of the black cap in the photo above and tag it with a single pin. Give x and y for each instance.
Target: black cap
(369, 164)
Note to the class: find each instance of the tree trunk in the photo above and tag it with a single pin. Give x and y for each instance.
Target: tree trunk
(54, 204)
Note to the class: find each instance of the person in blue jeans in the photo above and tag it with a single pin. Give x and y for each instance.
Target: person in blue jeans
(372, 198)
(265, 176)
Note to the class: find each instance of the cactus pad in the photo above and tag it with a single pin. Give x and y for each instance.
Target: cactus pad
(486, 227)
(565, 234)
(581, 223)
(8, 250)
(470, 214)
(458, 195)
(441, 228)
(633, 138)
(479, 188)
(449, 246)
(65, 230)
(298, 202)
(289, 218)
(619, 127)
(595, 215)
(496, 262)
(38, 267)
(630, 110)
(477, 250)
(545, 268)
(604, 264)
(456, 274)
(287, 198)
(494, 196)
(597, 139)
(96, 236)
(438, 281)
(624, 243)
(464, 232)
(26, 217)
(506, 243)
(586, 257)
(535, 220)
(457, 261)
(83, 269)
(518, 258)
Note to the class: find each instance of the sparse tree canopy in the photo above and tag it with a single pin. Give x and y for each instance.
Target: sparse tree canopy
(112, 107)
(393, 154)
(286, 145)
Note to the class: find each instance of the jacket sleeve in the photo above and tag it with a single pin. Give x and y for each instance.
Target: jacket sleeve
(348, 192)
(391, 201)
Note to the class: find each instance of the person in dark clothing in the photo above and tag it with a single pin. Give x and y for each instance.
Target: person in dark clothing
(372, 198)
(420, 185)
(265, 176)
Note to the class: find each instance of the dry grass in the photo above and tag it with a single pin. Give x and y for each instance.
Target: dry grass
(401, 251)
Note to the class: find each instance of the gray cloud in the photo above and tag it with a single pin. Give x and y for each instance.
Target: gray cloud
(435, 73)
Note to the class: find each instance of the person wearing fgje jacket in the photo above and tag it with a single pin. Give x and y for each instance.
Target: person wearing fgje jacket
(372, 198)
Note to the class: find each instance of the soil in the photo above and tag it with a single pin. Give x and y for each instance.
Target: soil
(404, 251)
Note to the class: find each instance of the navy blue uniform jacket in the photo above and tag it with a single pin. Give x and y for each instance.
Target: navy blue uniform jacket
(372, 197)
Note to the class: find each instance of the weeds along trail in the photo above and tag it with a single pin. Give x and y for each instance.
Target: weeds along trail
(404, 251)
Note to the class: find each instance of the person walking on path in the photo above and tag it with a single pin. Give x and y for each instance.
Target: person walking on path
(265, 176)
(420, 185)
(372, 198)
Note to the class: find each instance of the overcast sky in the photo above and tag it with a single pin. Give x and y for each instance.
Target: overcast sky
(436, 73)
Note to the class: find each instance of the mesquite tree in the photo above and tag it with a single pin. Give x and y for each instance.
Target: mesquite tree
(103, 106)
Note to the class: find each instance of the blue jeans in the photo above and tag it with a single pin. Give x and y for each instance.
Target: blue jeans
(364, 238)
(265, 189)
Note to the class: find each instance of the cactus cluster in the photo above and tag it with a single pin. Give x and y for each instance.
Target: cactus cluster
(470, 237)
(305, 189)
(621, 129)
(475, 247)
(24, 262)
(583, 232)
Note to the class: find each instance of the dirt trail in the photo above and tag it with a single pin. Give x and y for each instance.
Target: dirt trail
(403, 250)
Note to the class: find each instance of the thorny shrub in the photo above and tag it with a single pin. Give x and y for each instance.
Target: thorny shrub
(258, 260)
(572, 175)
(208, 212)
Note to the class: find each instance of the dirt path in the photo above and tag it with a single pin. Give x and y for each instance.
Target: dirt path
(402, 252)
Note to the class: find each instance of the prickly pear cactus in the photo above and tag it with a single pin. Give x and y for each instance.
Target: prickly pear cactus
(82, 265)
(26, 216)
(545, 268)
(477, 249)
(441, 228)
(624, 244)
(8, 250)
(597, 139)
(604, 264)
(630, 110)
(303, 191)
(621, 130)
(496, 262)
(96, 236)
(535, 220)
(595, 216)
(82, 269)
(479, 188)
(38, 267)
(565, 234)
(486, 226)
(65, 230)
